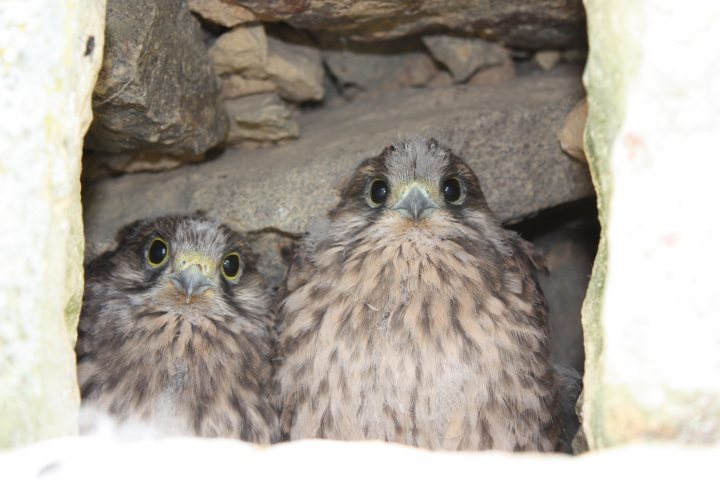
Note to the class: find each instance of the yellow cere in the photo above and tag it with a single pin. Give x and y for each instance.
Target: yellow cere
(186, 259)
(432, 190)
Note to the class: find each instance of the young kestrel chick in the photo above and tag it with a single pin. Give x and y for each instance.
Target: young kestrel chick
(414, 317)
(175, 331)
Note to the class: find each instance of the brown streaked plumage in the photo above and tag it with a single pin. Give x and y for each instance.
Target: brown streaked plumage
(175, 331)
(412, 316)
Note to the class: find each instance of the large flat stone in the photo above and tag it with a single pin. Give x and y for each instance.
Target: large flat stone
(536, 25)
(156, 90)
(51, 52)
(506, 132)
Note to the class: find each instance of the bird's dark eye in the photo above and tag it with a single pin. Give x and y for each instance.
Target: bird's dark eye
(231, 266)
(158, 252)
(379, 192)
(451, 189)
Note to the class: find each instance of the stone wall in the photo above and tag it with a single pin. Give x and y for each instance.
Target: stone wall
(50, 52)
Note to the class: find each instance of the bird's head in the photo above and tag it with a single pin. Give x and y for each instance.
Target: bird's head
(415, 185)
(187, 262)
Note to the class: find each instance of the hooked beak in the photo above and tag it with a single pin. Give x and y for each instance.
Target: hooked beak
(415, 204)
(191, 281)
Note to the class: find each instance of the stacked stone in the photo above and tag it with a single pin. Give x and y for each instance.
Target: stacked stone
(183, 77)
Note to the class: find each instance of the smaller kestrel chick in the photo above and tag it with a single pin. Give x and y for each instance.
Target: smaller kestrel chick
(175, 331)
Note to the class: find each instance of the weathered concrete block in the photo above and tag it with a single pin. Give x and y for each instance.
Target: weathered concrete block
(651, 330)
(88, 457)
(50, 53)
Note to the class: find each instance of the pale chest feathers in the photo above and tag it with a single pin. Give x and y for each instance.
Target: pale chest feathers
(182, 373)
(419, 342)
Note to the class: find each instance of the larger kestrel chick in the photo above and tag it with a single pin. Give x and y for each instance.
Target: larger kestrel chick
(175, 332)
(414, 317)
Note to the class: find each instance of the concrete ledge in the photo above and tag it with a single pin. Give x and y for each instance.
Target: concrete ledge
(105, 457)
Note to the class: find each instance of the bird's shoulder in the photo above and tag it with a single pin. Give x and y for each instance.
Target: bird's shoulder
(303, 263)
(525, 255)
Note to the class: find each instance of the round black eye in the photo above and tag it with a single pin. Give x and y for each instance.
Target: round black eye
(231, 266)
(379, 192)
(158, 252)
(451, 190)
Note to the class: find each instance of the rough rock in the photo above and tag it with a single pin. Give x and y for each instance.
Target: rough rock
(377, 67)
(221, 12)
(234, 86)
(417, 70)
(517, 23)
(506, 132)
(571, 134)
(494, 75)
(242, 49)
(262, 118)
(547, 59)
(296, 70)
(465, 56)
(51, 53)
(141, 101)
(650, 318)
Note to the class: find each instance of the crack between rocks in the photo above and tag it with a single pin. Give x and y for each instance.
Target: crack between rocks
(277, 231)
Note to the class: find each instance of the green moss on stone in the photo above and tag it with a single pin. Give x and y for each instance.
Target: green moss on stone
(613, 26)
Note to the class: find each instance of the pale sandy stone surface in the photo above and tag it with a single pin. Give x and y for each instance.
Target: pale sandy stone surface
(547, 59)
(465, 56)
(261, 117)
(50, 53)
(494, 75)
(242, 49)
(651, 318)
(296, 70)
(234, 86)
(572, 133)
(221, 12)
